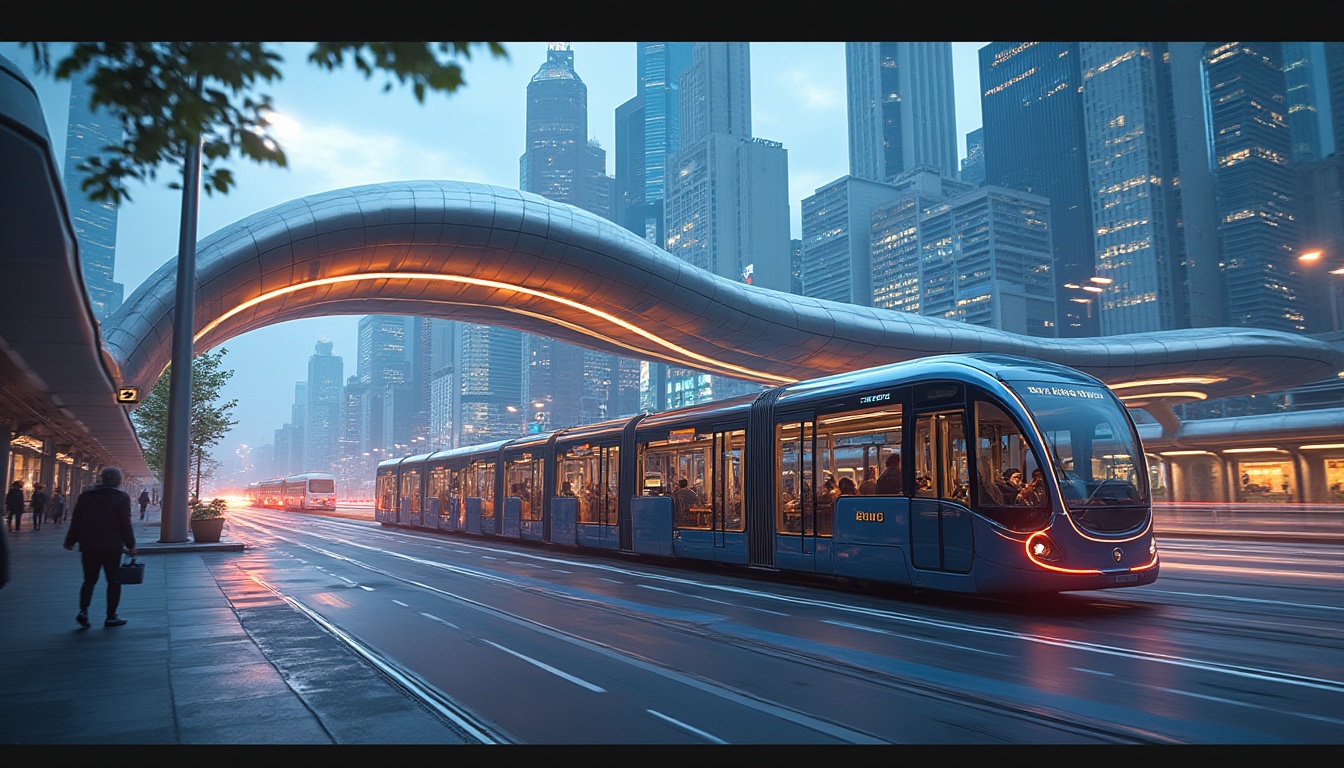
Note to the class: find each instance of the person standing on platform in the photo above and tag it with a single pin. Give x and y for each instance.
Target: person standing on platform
(14, 505)
(144, 501)
(38, 504)
(56, 509)
(101, 526)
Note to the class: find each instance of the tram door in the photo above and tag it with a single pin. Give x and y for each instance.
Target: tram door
(940, 523)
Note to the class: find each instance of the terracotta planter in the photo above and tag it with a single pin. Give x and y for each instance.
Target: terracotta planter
(207, 531)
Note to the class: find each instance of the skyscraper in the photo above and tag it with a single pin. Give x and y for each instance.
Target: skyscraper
(902, 108)
(1251, 148)
(489, 365)
(648, 131)
(322, 424)
(560, 164)
(973, 167)
(836, 260)
(979, 255)
(1032, 114)
(726, 204)
(1131, 142)
(726, 196)
(95, 222)
(383, 366)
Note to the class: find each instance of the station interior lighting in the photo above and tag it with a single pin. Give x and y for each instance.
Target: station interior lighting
(1320, 446)
(1264, 449)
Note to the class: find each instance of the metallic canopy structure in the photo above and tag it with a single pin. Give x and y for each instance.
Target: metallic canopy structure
(500, 256)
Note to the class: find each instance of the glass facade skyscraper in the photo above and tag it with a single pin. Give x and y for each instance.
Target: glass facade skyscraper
(1131, 139)
(1252, 146)
(978, 255)
(95, 222)
(1032, 113)
(322, 418)
(573, 384)
(902, 108)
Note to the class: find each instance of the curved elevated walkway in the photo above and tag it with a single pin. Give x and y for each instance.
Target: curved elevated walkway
(500, 256)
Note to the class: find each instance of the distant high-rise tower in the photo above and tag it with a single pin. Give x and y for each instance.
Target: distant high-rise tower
(322, 426)
(1252, 146)
(726, 197)
(1032, 113)
(934, 255)
(973, 167)
(383, 365)
(902, 108)
(836, 248)
(443, 416)
(91, 130)
(1334, 83)
(1131, 135)
(561, 165)
(727, 202)
(1304, 72)
(648, 131)
(489, 365)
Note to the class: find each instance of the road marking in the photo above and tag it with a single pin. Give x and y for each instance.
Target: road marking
(547, 667)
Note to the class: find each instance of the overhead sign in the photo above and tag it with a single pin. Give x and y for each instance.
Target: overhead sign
(128, 395)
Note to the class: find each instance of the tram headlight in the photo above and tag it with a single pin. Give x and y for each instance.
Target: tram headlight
(1042, 547)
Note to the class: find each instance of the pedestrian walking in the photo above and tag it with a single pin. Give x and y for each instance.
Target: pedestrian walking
(56, 507)
(14, 505)
(38, 504)
(144, 502)
(101, 525)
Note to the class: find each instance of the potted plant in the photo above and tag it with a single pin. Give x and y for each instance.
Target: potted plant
(207, 520)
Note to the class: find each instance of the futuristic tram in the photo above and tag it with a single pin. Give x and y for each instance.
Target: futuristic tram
(308, 491)
(979, 473)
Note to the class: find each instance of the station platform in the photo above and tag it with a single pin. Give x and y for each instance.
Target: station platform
(207, 656)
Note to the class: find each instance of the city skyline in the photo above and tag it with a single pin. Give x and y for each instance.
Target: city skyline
(366, 136)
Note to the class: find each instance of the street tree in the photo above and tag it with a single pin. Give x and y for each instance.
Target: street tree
(169, 95)
(211, 419)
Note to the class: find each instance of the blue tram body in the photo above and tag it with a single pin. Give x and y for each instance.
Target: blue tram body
(967, 473)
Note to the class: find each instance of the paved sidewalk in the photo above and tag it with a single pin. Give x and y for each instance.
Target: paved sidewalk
(207, 657)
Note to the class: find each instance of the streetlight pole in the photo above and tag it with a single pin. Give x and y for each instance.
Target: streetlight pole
(177, 454)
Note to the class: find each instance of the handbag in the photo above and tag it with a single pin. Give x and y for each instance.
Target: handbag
(131, 572)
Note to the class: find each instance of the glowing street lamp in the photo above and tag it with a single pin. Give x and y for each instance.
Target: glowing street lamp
(1310, 260)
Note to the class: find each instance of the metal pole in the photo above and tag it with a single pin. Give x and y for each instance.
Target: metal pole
(177, 451)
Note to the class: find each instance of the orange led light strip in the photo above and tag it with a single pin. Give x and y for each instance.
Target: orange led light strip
(685, 354)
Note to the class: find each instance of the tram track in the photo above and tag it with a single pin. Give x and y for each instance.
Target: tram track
(1068, 724)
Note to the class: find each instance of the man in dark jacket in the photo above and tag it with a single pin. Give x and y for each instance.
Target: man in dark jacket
(101, 526)
(14, 505)
(38, 503)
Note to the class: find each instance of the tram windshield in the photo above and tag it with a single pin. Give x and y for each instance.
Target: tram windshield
(1097, 456)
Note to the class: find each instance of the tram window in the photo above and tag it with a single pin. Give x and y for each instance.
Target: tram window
(728, 489)
(1008, 491)
(387, 492)
(689, 460)
(942, 468)
(593, 478)
(480, 483)
(1097, 457)
(795, 509)
(524, 479)
(410, 490)
(853, 445)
